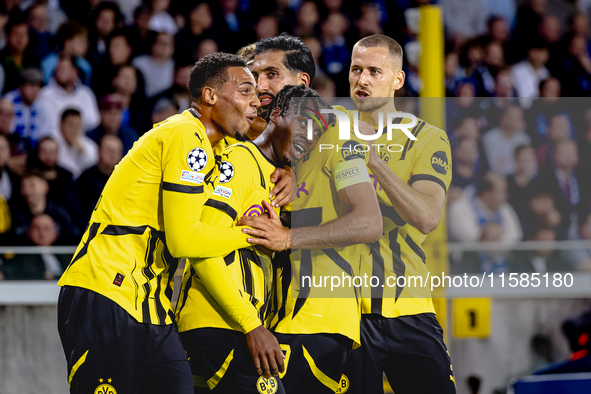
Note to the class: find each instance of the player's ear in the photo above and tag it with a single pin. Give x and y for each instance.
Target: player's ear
(399, 79)
(209, 95)
(275, 114)
(304, 78)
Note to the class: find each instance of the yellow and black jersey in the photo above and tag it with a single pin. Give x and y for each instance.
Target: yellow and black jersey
(243, 185)
(317, 309)
(147, 217)
(398, 252)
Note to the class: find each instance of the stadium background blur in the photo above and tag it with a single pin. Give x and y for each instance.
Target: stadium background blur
(81, 80)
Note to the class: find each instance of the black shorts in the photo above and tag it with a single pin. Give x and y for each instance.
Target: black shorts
(221, 363)
(109, 352)
(314, 363)
(410, 350)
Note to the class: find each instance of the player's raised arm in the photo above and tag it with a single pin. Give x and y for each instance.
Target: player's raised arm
(419, 203)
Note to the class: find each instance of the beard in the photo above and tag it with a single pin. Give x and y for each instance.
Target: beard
(265, 111)
(370, 104)
(241, 136)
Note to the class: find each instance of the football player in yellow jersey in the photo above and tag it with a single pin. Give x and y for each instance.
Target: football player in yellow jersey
(334, 221)
(400, 334)
(114, 314)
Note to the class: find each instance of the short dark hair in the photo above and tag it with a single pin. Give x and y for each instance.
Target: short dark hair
(382, 41)
(297, 58)
(67, 31)
(211, 70)
(284, 100)
(70, 112)
(521, 148)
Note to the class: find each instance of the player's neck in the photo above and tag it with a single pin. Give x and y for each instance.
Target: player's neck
(211, 130)
(372, 118)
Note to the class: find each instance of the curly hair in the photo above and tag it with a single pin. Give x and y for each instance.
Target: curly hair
(292, 95)
(212, 71)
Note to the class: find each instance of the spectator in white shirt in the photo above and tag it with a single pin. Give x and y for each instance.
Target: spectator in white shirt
(65, 91)
(528, 73)
(77, 152)
(500, 143)
(468, 215)
(158, 67)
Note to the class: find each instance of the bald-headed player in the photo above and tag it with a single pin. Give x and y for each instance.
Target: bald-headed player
(400, 334)
(114, 312)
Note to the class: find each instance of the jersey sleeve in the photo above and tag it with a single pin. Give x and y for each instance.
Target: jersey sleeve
(217, 280)
(186, 166)
(433, 160)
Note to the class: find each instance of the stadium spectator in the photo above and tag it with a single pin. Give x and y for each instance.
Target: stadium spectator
(59, 180)
(453, 73)
(118, 54)
(486, 261)
(19, 146)
(9, 181)
(559, 129)
(125, 84)
(161, 21)
(266, 27)
(71, 40)
(158, 67)
(335, 53)
(199, 27)
(16, 56)
(464, 19)
(504, 85)
(111, 108)
(521, 184)
(107, 18)
(574, 70)
(28, 119)
(34, 189)
(77, 152)
(566, 185)
(542, 260)
(538, 117)
(541, 212)
(66, 91)
(40, 38)
(205, 47)
(163, 109)
(92, 181)
(139, 34)
(468, 215)
(232, 23)
(527, 20)
(528, 73)
(500, 142)
(367, 24)
(42, 232)
(467, 167)
(307, 18)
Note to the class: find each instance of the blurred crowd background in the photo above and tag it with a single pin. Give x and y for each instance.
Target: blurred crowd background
(82, 80)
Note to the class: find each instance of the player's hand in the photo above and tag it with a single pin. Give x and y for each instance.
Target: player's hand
(265, 351)
(270, 232)
(281, 194)
(373, 158)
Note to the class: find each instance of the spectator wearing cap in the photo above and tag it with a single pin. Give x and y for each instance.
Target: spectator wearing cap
(72, 41)
(92, 181)
(65, 91)
(28, 119)
(111, 109)
(16, 56)
(77, 152)
(528, 73)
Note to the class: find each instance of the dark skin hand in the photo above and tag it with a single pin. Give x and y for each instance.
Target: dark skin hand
(281, 194)
(266, 353)
(270, 232)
